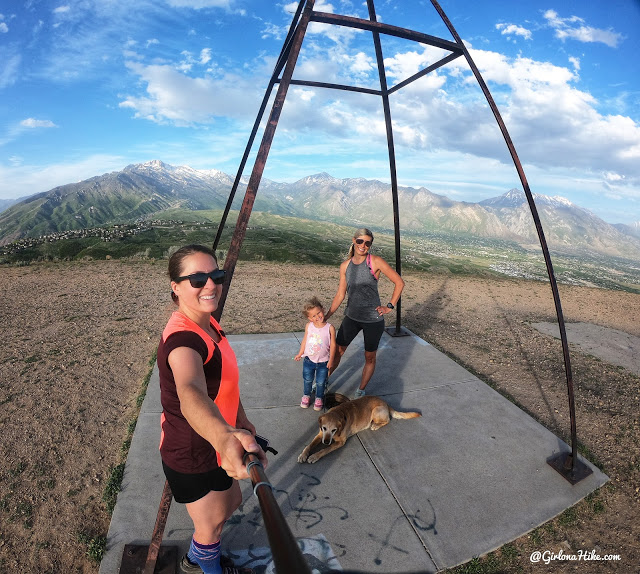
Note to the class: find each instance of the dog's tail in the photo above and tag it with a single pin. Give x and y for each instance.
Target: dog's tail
(333, 399)
(400, 415)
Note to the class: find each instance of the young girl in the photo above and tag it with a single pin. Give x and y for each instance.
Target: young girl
(318, 348)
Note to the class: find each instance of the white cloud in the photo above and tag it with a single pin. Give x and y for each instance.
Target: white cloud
(404, 65)
(519, 71)
(514, 30)
(361, 64)
(612, 177)
(189, 61)
(3, 28)
(340, 35)
(92, 29)
(173, 96)
(553, 124)
(574, 28)
(304, 95)
(273, 30)
(198, 4)
(205, 55)
(61, 9)
(20, 180)
(16, 130)
(290, 8)
(31, 123)
(9, 67)
(322, 6)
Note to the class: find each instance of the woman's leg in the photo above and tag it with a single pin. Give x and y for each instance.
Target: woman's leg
(372, 334)
(369, 368)
(346, 333)
(210, 512)
(340, 350)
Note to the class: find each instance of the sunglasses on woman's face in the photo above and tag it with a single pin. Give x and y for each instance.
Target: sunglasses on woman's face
(199, 280)
(366, 243)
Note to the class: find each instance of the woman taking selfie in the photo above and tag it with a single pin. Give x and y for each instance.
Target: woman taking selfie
(205, 431)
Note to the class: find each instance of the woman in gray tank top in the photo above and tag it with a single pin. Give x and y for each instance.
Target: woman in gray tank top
(359, 276)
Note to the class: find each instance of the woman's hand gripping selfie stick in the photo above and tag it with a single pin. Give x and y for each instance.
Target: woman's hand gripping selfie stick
(287, 556)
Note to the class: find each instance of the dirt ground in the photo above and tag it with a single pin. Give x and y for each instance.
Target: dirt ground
(77, 339)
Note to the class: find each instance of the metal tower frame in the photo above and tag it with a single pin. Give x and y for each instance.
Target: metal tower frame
(567, 464)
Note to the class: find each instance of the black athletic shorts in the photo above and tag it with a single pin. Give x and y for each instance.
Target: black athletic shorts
(191, 487)
(349, 329)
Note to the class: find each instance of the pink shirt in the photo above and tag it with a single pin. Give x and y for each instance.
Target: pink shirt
(318, 343)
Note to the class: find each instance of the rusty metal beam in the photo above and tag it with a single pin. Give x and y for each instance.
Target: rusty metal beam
(158, 530)
(392, 155)
(336, 87)
(424, 72)
(569, 466)
(282, 58)
(261, 159)
(154, 558)
(373, 92)
(381, 28)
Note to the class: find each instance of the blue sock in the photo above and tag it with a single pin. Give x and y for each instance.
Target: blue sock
(207, 556)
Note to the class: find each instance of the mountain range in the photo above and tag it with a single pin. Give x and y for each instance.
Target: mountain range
(151, 189)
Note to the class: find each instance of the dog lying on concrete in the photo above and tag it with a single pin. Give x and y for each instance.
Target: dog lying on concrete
(347, 418)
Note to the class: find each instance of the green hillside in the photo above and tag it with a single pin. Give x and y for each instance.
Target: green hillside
(288, 239)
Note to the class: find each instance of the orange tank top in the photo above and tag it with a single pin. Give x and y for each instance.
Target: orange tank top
(227, 397)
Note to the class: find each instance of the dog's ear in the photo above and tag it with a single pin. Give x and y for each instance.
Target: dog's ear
(341, 423)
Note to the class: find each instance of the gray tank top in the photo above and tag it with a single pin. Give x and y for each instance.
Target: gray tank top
(362, 291)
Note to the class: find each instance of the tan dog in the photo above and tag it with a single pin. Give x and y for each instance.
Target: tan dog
(347, 419)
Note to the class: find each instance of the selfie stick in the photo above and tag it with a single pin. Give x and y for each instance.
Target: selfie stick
(287, 556)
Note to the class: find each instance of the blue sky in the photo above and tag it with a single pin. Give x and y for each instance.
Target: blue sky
(90, 86)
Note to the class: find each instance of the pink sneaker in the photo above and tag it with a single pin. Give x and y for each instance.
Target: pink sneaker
(304, 403)
(318, 404)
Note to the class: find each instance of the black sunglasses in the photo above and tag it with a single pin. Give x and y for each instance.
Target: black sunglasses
(199, 280)
(361, 241)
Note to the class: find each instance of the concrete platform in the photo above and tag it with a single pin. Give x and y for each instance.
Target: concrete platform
(417, 496)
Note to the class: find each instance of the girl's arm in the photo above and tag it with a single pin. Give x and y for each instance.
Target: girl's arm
(332, 345)
(342, 290)
(303, 345)
(204, 417)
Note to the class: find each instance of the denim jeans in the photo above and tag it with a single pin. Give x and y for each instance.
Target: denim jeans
(321, 372)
